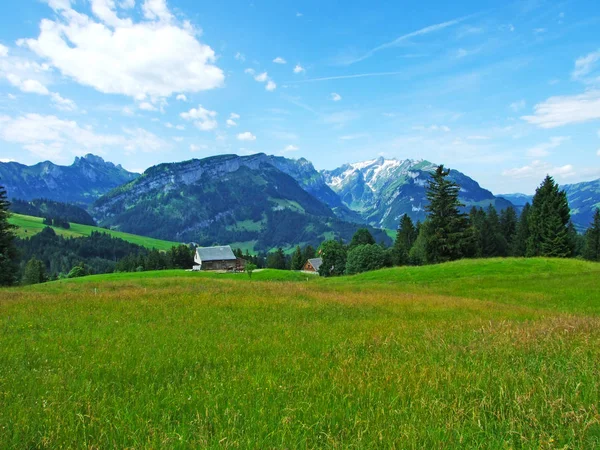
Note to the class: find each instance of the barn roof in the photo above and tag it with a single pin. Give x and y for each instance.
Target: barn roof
(316, 263)
(222, 253)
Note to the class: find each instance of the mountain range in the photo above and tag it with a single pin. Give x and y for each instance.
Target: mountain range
(87, 179)
(259, 201)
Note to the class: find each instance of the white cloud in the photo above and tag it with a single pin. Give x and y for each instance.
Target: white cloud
(127, 111)
(181, 98)
(246, 136)
(585, 66)
(478, 138)
(52, 137)
(539, 151)
(290, 148)
(539, 30)
(178, 139)
(234, 116)
(203, 118)
(240, 57)
(598, 152)
(279, 60)
(231, 123)
(564, 110)
(147, 106)
(156, 10)
(250, 71)
(271, 86)
(518, 105)
(30, 86)
(64, 104)
(6, 160)
(12, 97)
(3, 51)
(127, 4)
(262, 77)
(335, 97)
(443, 128)
(299, 69)
(299, 14)
(150, 59)
(539, 169)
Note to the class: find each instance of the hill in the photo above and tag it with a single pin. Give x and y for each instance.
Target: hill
(383, 190)
(82, 182)
(28, 226)
(472, 354)
(223, 199)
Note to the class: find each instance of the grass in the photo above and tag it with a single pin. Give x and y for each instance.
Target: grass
(474, 354)
(30, 226)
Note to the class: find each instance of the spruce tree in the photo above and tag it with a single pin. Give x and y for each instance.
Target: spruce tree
(508, 227)
(405, 239)
(308, 253)
(448, 237)
(477, 221)
(519, 245)
(548, 222)
(494, 243)
(592, 239)
(298, 259)
(8, 253)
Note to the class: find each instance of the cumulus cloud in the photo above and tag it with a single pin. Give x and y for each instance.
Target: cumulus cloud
(181, 98)
(271, 86)
(299, 69)
(539, 169)
(52, 137)
(335, 97)
(262, 77)
(246, 136)
(197, 148)
(3, 51)
(147, 106)
(567, 109)
(279, 60)
(203, 118)
(240, 57)
(148, 60)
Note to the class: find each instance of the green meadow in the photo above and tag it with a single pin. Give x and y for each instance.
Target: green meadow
(500, 353)
(28, 226)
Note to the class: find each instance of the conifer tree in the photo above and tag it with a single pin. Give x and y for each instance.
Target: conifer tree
(494, 243)
(592, 239)
(548, 222)
(309, 253)
(405, 239)
(448, 237)
(298, 259)
(508, 227)
(519, 245)
(8, 253)
(477, 221)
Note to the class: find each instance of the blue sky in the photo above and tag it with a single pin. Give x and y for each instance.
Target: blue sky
(503, 91)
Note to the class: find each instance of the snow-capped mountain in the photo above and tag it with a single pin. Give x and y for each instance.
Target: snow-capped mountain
(383, 190)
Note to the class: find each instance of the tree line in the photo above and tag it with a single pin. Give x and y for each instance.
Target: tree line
(543, 229)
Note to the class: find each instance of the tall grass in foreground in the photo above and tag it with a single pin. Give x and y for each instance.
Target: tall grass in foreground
(405, 358)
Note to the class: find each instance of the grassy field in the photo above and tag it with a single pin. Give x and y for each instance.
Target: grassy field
(473, 354)
(29, 226)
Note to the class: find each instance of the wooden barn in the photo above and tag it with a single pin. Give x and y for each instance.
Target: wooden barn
(312, 265)
(218, 258)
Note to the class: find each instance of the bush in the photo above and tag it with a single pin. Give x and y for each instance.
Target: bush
(364, 258)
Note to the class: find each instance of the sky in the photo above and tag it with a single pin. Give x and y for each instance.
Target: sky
(505, 92)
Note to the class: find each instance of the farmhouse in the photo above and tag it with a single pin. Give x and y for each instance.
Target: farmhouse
(217, 258)
(312, 265)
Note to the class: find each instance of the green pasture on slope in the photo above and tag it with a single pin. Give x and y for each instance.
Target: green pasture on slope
(501, 353)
